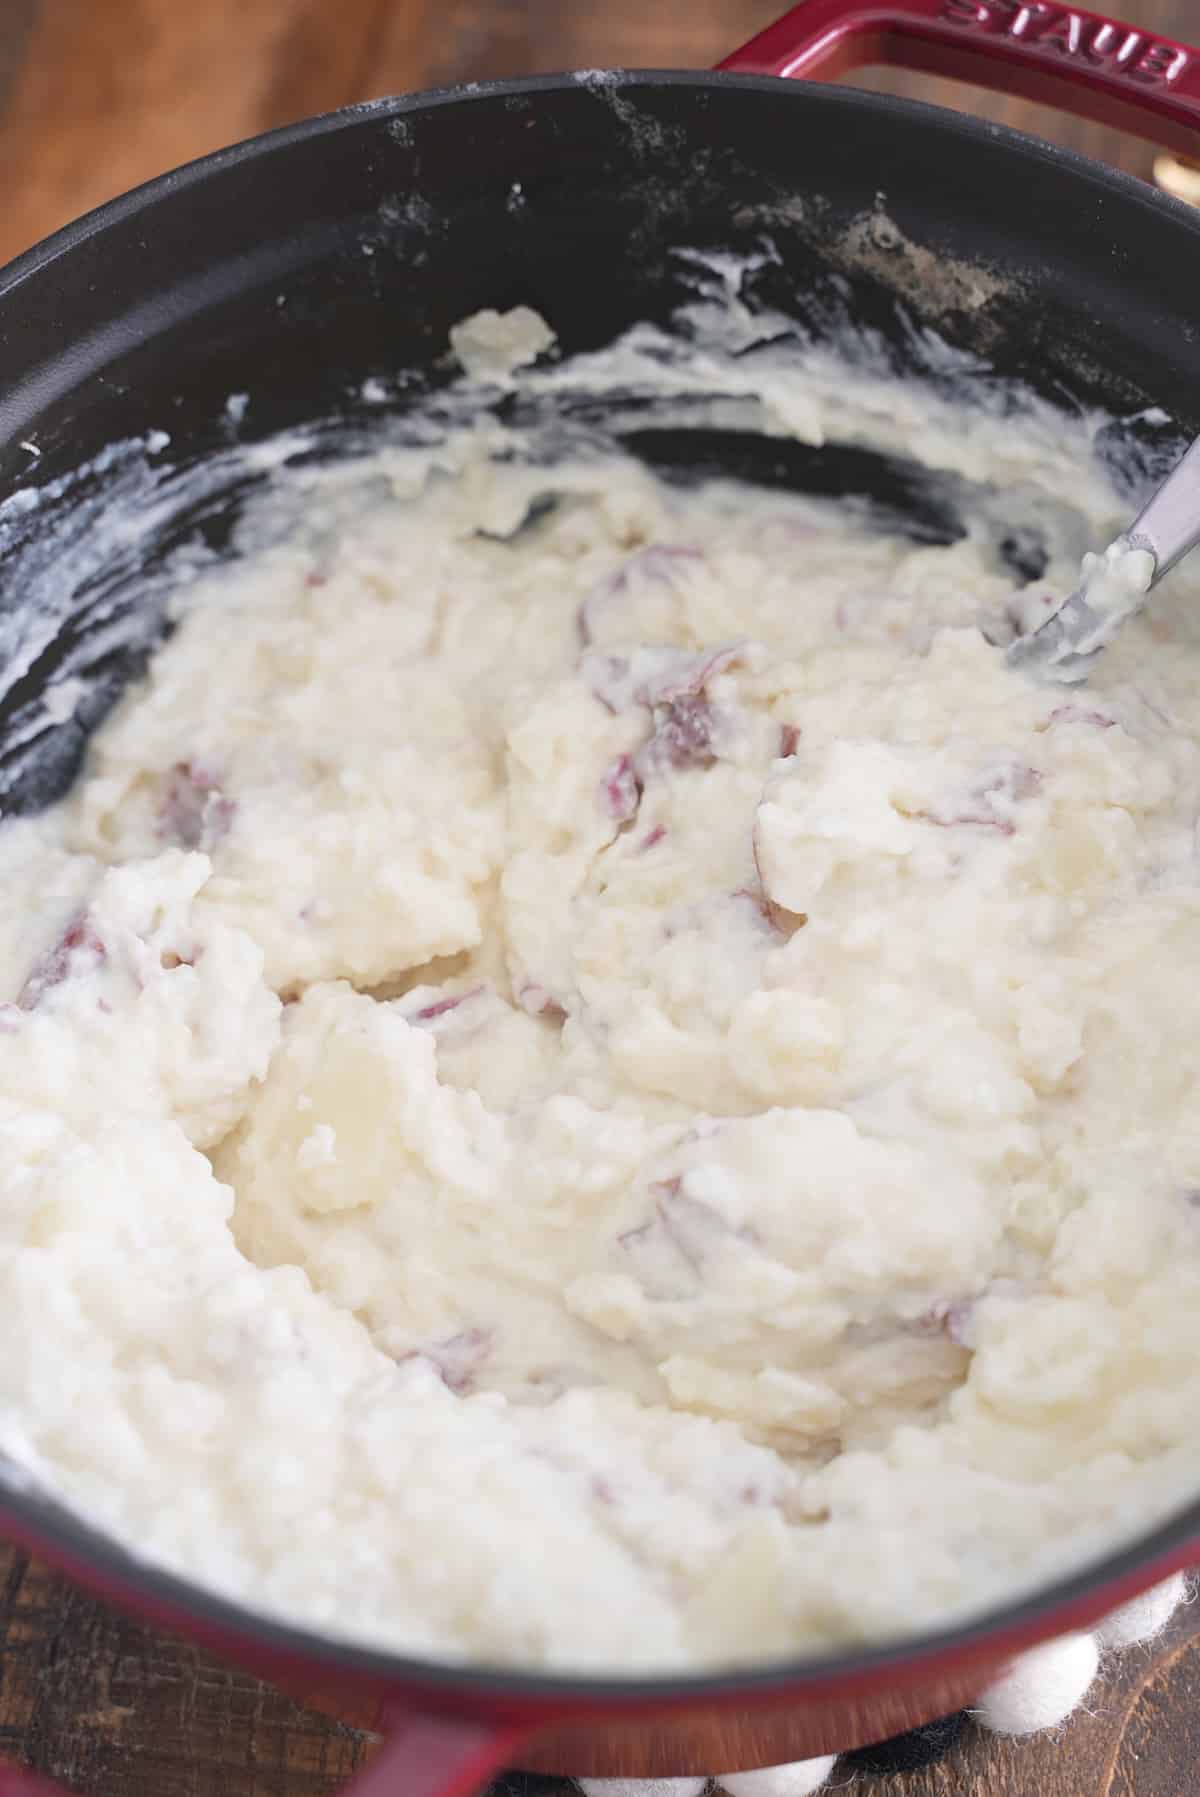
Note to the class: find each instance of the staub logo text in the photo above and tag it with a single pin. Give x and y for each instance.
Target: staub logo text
(1073, 35)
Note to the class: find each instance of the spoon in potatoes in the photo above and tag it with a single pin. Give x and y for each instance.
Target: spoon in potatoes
(1115, 584)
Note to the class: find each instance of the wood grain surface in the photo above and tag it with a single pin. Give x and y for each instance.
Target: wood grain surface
(95, 96)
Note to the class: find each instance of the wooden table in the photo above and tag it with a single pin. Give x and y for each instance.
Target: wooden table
(96, 95)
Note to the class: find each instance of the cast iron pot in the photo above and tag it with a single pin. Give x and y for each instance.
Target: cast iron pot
(247, 271)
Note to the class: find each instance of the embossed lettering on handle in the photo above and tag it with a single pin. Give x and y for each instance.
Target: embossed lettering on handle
(1067, 56)
(1102, 42)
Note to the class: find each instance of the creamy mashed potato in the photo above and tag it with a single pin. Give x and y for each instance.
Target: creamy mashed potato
(615, 1093)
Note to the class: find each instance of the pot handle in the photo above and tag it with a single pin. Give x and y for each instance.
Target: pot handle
(1119, 75)
(422, 1756)
(15, 1783)
(429, 1756)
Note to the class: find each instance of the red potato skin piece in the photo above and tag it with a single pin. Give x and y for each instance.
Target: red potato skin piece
(692, 1228)
(665, 689)
(686, 725)
(658, 562)
(621, 789)
(538, 1001)
(459, 1358)
(1078, 714)
(194, 812)
(78, 951)
(1015, 783)
(442, 1007)
(685, 737)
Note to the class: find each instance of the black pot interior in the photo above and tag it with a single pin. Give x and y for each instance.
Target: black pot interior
(297, 267)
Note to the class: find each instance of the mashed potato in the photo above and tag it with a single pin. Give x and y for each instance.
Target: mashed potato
(611, 1094)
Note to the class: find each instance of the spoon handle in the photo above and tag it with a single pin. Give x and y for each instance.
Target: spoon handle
(1169, 524)
(1065, 647)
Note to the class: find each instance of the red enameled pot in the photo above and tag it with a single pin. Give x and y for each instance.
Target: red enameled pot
(246, 271)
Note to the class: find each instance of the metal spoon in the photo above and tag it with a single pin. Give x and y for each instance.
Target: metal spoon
(1115, 584)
